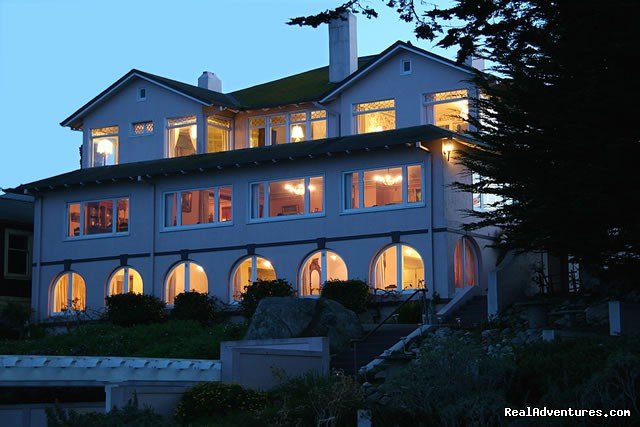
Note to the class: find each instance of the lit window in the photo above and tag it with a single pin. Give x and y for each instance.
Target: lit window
(302, 196)
(448, 110)
(398, 268)
(104, 146)
(97, 217)
(319, 267)
(17, 254)
(142, 128)
(182, 136)
(218, 134)
(465, 266)
(291, 127)
(379, 188)
(483, 202)
(125, 280)
(69, 293)
(251, 269)
(187, 276)
(375, 116)
(197, 207)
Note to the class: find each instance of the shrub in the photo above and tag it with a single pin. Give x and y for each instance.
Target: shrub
(13, 319)
(214, 398)
(134, 309)
(411, 312)
(353, 294)
(194, 306)
(252, 295)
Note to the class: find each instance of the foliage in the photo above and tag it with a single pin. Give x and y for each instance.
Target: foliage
(539, 130)
(353, 294)
(411, 312)
(13, 319)
(313, 399)
(129, 416)
(175, 338)
(134, 309)
(194, 306)
(215, 398)
(252, 295)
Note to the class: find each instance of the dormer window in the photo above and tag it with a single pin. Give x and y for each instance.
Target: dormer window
(405, 66)
(448, 110)
(142, 94)
(375, 116)
(104, 146)
(182, 136)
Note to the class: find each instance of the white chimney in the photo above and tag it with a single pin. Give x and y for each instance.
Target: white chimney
(210, 81)
(477, 63)
(343, 48)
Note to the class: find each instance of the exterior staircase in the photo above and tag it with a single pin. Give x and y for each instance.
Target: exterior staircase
(372, 347)
(472, 314)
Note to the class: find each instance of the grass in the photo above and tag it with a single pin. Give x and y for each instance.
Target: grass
(174, 339)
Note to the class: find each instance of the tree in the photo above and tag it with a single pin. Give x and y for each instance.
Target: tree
(558, 139)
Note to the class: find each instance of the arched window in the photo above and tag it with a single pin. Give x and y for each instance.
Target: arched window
(465, 264)
(319, 267)
(125, 280)
(69, 293)
(250, 270)
(399, 267)
(185, 276)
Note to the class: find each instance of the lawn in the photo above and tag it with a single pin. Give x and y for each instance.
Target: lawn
(173, 339)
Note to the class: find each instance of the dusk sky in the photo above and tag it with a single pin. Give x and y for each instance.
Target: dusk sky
(57, 55)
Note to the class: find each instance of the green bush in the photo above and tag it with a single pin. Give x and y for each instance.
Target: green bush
(353, 294)
(411, 312)
(13, 319)
(134, 309)
(215, 398)
(194, 306)
(252, 295)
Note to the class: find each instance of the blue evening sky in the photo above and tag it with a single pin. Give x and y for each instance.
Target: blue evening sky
(57, 55)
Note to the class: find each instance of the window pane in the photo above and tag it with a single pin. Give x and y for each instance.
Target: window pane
(383, 187)
(183, 140)
(197, 279)
(316, 190)
(336, 268)
(257, 137)
(318, 114)
(376, 122)
(257, 201)
(318, 129)
(181, 121)
(175, 283)
(123, 215)
(18, 241)
(219, 122)
(135, 281)
(442, 96)
(105, 151)
(264, 270)
(298, 132)
(286, 197)
(298, 117)
(412, 269)
(62, 300)
(217, 139)
(277, 135)
(224, 196)
(414, 183)
(74, 220)
(386, 270)
(110, 130)
(352, 190)
(98, 217)
(170, 214)
(311, 275)
(18, 262)
(377, 105)
(142, 128)
(241, 278)
(197, 207)
(452, 115)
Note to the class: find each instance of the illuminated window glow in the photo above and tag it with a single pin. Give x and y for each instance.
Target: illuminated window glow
(465, 265)
(448, 110)
(250, 270)
(398, 268)
(197, 207)
(375, 116)
(125, 280)
(97, 217)
(302, 196)
(397, 186)
(186, 276)
(69, 293)
(182, 136)
(319, 267)
(289, 127)
(218, 134)
(104, 146)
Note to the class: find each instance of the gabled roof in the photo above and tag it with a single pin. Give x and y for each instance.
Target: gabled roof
(16, 209)
(249, 157)
(198, 94)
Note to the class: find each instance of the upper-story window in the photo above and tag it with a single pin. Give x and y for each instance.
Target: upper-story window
(218, 134)
(449, 110)
(484, 201)
(17, 254)
(380, 188)
(289, 127)
(193, 208)
(109, 216)
(375, 116)
(104, 146)
(283, 198)
(142, 128)
(182, 136)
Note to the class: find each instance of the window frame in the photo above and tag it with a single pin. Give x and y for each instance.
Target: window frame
(101, 235)
(187, 278)
(139, 96)
(126, 284)
(57, 278)
(405, 190)
(230, 130)
(307, 200)
(288, 123)
(429, 116)
(110, 135)
(254, 273)
(323, 270)
(355, 114)
(399, 268)
(29, 234)
(404, 72)
(168, 127)
(216, 210)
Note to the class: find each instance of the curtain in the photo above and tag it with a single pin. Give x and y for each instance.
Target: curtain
(78, 292)
(457, 265)
(469, 265)
(60, 293)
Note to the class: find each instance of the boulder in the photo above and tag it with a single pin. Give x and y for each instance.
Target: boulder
(290, 317)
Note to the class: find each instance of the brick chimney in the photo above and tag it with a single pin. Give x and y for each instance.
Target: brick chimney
(343, 47)
(209, 80)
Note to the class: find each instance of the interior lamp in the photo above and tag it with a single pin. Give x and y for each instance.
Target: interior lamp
(447, 148)
(105, 147)
(388, 179)
(297, 134)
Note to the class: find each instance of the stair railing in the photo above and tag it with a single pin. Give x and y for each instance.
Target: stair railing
(425, 314)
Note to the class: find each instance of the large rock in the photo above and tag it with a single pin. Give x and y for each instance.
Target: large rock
(289, 317)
